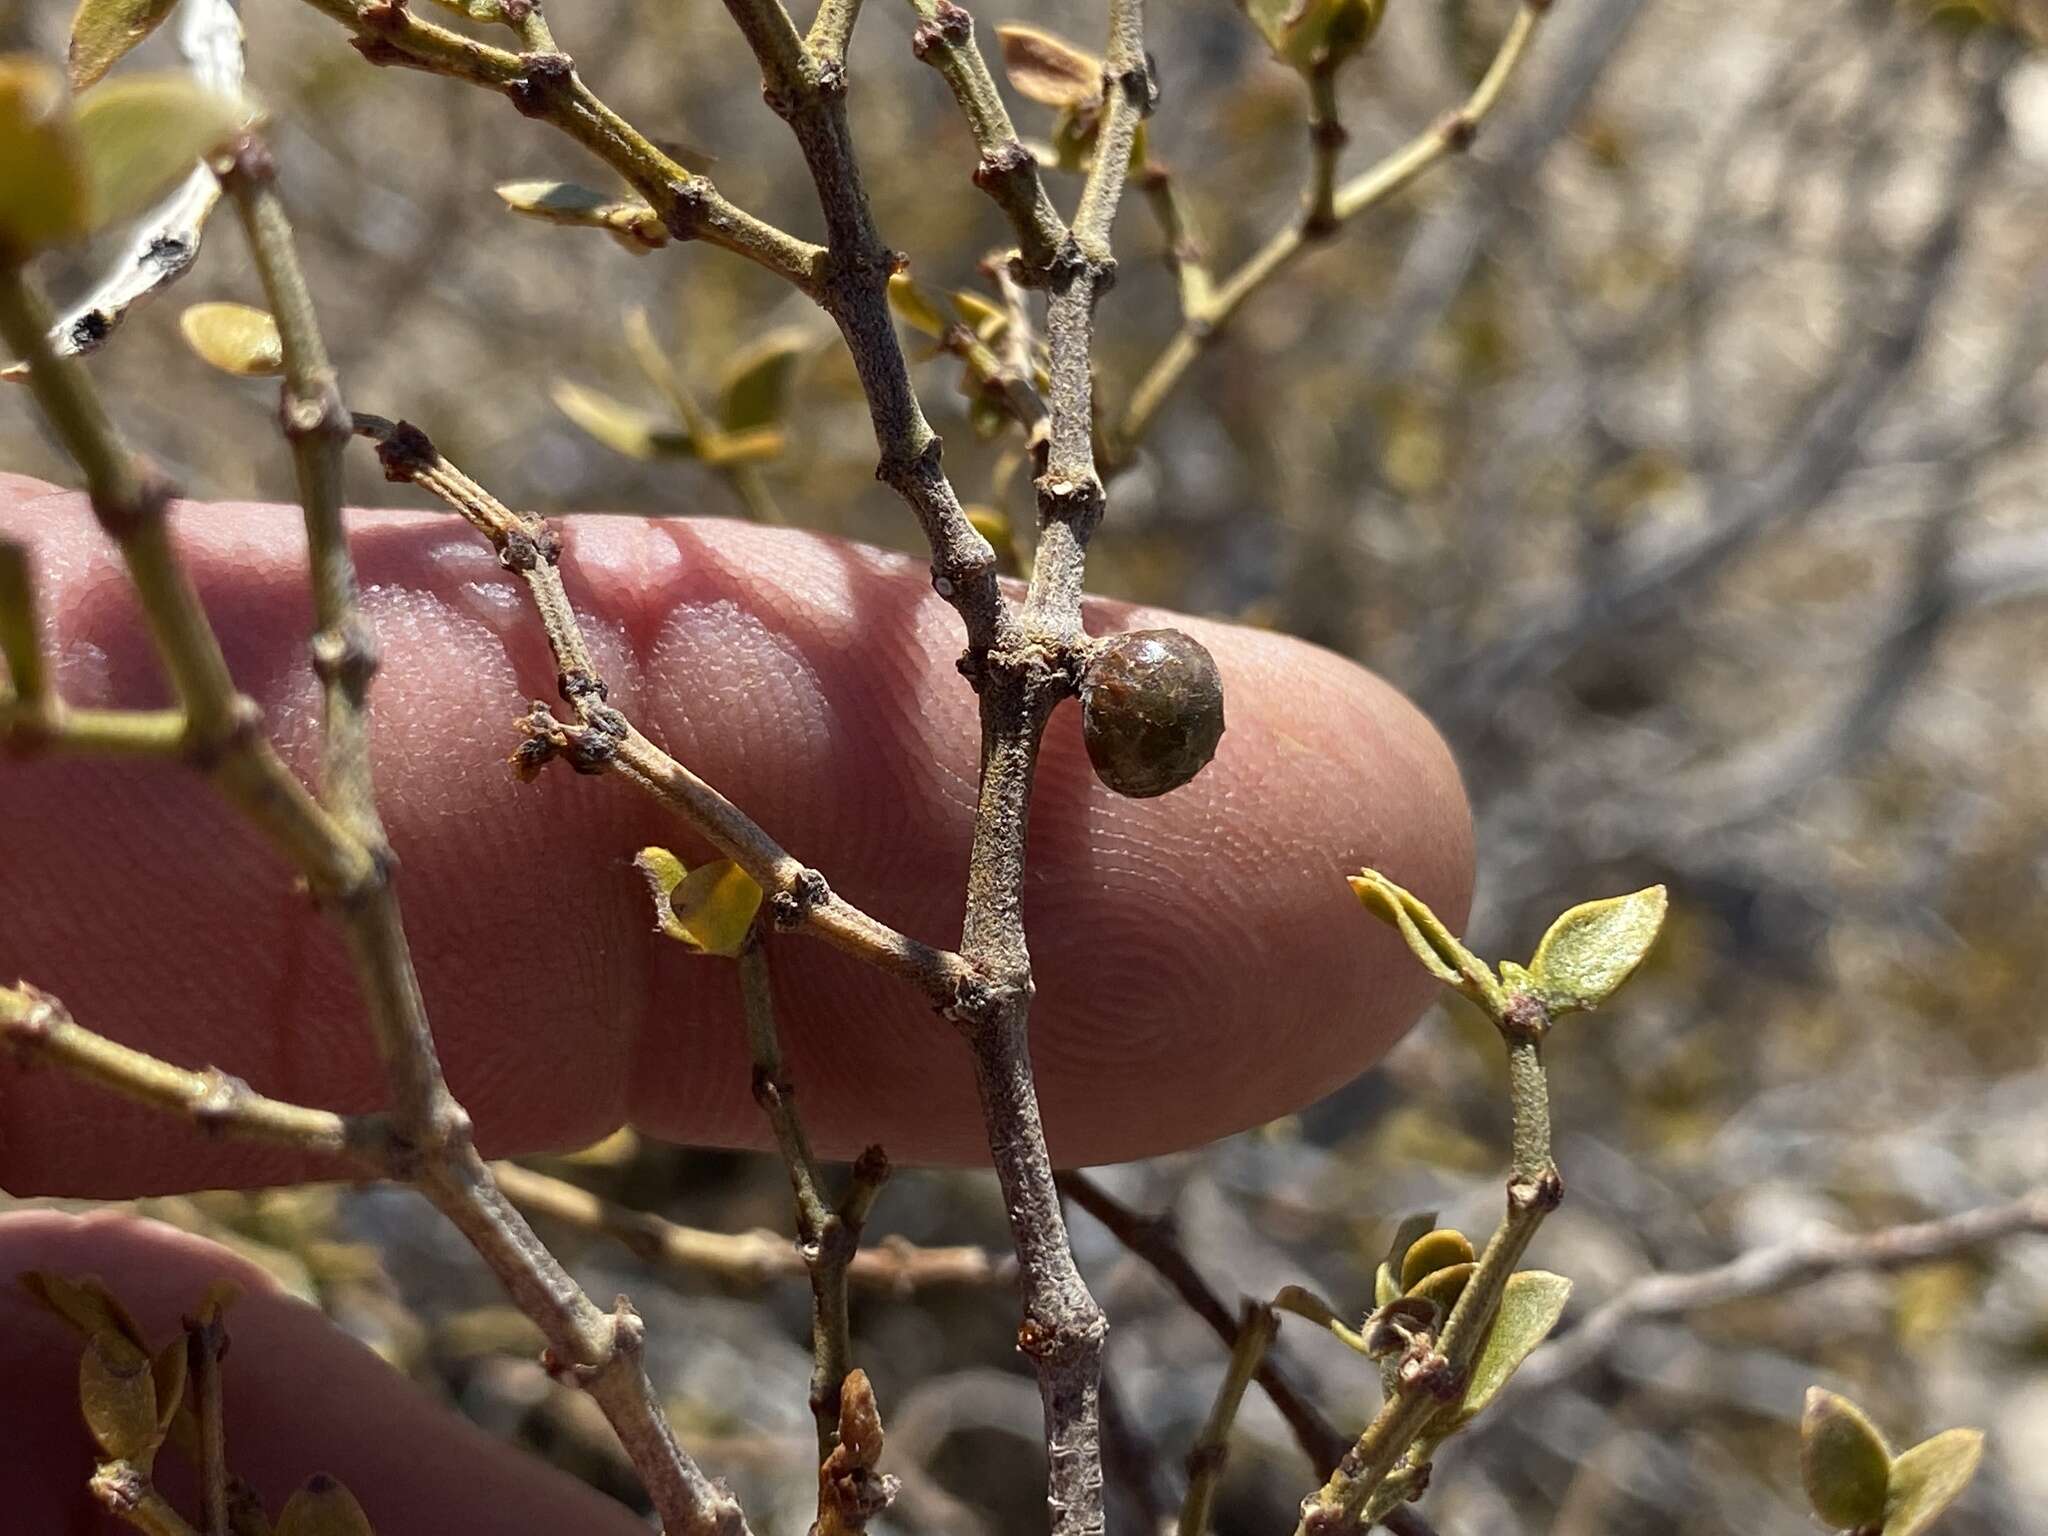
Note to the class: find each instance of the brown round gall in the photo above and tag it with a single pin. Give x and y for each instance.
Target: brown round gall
(1151, 711)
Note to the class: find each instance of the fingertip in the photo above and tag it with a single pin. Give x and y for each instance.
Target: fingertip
(301, 1398)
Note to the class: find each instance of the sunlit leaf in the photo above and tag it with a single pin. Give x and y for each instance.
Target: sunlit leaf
(141, 135)
(715, 906)
(1843, 1461)
(722, 450)
(1049, 69)
(1928, 1478)
(986, 320)
(102, 31)
(117, 1396)
(1440, 1249)
(143, 138)
(1443, 1287)
(167, 1370)
(1314, 34)
(620, 427)
(755, 386)
(1595, 947)
(634, 222)
(917, 309)
(44, 199)
(996, 527)
(84, 1303)
(323, 1507)
(1427, 938)
(234, 338)
(709, 909)
(1530, 1304)
(1305, 1303)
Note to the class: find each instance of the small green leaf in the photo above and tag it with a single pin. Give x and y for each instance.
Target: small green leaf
(234, 338)
(117, 1395)
(1928, 1478)
(1432, 1251)
(323, 1507)
(722, 450)
(1843, 1460)
(755, 387)
(634, 222)
(1595, 947)
(620, 427)
(44, 199)
(986, 320)
(995, 526)
(167, 1371)
(1430, 941)
(84, 1303)
(1385, 1285)
(1442, 1287)
(102, 31)
(709, 910)
(1305, 1303)
(1530, 1304)
(1314, 34)
(142, 135)
(1408, 1231)
(715, 906)
(1048, 69)
(916, 308)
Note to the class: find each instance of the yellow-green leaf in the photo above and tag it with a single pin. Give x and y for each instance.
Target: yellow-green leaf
(634, 222)
(1049, 69)
(755, 387)
(1430, 941)
(620, 427)
(996, 527)
(1843, 1461)
(142, 135)
(1314, 34)
(44, 199)
(1386, 1285)
(117, 1395)
(709, 909)
(323, 1507)
(102, 31)
(722, 450)
(663, 872)
(84, 1303)
(1530, 1304)
(1432, 1251)
(1305, 1303)
(556, 202)
(234, 338)
(1595, 947)
(167, 1371)
(715, 907)
(983, 318)
(1928, 1478)
(918, 309)
(1442, 1287)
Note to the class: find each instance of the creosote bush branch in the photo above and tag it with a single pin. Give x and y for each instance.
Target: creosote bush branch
(1450, 1325)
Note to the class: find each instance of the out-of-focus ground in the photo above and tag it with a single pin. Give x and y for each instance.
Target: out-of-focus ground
(1681, 452)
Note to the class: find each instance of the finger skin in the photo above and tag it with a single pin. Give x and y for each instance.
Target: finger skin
(299, 1397)
(1201, 966)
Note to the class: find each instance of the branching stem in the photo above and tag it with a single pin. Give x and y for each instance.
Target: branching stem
(1341, 202)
